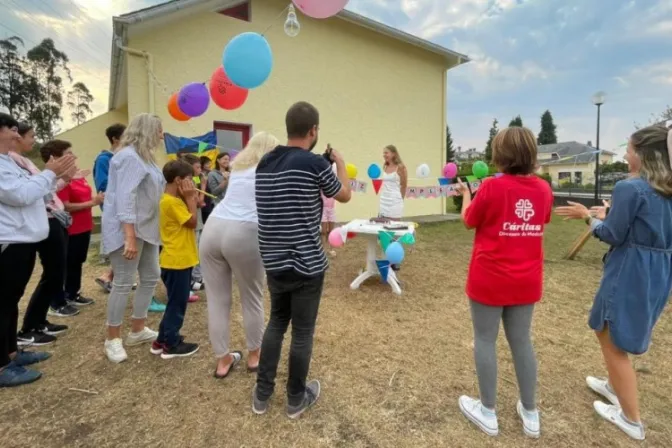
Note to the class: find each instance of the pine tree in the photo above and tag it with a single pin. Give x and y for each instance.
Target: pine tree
(516, 122)
(547, 133)
(450, 151)
(488, 146)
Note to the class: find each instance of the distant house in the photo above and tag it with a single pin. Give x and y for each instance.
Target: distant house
(571, 162)
(469, 154)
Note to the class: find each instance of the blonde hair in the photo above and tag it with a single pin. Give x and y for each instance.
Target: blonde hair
(651, 146)
(514, 151)
(396, 158)
(143, 134)
(256, 148)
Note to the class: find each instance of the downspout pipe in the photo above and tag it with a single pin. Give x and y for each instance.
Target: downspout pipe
(149, 69)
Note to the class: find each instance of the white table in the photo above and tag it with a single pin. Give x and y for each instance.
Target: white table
(369, 230)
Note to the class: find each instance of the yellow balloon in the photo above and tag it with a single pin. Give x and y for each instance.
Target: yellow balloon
(351, 170)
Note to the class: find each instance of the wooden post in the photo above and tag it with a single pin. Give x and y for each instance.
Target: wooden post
(578, 244)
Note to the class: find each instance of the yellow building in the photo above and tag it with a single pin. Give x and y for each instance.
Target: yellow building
(570, 162)
(373, 85)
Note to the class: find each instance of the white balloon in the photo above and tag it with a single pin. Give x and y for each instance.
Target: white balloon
(422, 171)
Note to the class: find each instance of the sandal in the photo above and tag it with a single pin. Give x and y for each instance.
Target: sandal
(254, 369)
(237, 356)
(106, 285)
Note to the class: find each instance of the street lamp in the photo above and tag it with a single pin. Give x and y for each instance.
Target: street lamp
(598, 100)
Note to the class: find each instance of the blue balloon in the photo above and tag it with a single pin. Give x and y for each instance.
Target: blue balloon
(395, 253)
(374, 171)
(248, 60)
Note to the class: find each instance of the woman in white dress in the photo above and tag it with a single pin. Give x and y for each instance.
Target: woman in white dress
(393, 190)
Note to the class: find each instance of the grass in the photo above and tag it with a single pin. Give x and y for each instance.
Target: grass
(391, 369)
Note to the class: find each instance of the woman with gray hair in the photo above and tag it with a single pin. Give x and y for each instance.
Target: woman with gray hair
(130, 228)
(637, 278)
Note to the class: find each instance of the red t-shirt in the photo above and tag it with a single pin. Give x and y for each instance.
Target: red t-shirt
(76, 192)
(507, 263)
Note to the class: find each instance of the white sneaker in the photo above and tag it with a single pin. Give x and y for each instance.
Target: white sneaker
(146, 335)
(473, 410)
(601, 387)
(530, 421)
(114, 349)
(613, 414)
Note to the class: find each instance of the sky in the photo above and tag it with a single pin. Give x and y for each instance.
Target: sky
(526, 56)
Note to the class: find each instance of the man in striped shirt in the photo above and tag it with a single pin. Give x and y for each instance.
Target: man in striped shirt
(289, 183)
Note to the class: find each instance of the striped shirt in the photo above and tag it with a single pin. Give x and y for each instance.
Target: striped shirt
(289, 206)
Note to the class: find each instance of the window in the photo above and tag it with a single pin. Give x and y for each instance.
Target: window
(578, 177)
(232, 136)
(564, 177)
(240, 12)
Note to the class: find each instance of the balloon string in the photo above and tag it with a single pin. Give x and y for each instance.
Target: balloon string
(276, 18)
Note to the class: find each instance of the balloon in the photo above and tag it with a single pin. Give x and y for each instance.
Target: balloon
(336, 238)
(248, 60)
(395, 253)
(422, 172)
(320, 9)
(374, 171)
(352, 171)
(480, 169)
(193, 99)
(224, 93)
(174, 109)
(450, 171)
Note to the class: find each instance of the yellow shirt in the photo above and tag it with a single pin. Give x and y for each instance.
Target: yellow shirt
(179, 242)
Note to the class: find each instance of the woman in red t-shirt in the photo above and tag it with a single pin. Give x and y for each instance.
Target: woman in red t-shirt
(506, 273)
(78, 201)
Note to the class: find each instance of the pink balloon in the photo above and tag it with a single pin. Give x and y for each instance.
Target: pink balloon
(450, 170)
(336, 238)
(320, 9)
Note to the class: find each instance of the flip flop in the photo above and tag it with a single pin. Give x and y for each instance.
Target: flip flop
(237, 356)
(254, 369)
(107, 286)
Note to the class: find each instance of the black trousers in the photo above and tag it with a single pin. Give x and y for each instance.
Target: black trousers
(78, 250)
(16, 266)
(177, 284)
(49, 291)
(296, 299)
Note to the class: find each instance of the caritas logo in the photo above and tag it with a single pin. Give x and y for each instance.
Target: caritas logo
(524, 210)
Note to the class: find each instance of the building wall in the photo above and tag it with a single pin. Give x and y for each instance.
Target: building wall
(88, 139)
(587, 170)
(371, 90)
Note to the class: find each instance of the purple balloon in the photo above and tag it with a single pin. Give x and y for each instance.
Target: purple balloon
(194, 99)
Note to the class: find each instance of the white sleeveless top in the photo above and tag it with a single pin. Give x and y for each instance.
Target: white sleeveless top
(391, 201)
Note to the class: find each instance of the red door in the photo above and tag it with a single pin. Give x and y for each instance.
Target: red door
(232, 136)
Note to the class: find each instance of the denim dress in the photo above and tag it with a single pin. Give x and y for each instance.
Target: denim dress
(638, 267)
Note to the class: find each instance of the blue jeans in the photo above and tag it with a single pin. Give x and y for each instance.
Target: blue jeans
(178, 285)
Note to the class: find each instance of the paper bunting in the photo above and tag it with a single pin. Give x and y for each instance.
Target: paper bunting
(471, 179)
(383, 269)
(407, 238)
(444, 181)
(202, 146)
(437, 192)
(385, 239)
(377, 183)
(357, 186)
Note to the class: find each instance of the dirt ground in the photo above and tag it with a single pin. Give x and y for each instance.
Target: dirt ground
(391, 368)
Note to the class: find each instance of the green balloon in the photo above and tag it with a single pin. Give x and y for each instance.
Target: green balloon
(480, 169)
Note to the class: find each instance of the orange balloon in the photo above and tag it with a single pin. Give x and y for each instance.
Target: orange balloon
(174, 109)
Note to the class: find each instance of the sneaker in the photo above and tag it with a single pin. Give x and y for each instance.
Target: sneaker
(156, 306)
(79, 300)
(114, 350)
(157, 348)
(146, 335)
(23, 359)
(613, 414)
(312, 394)
(53, 329)
(258, 407)
(181, 350)
(13, 375)
(64, 311)
(602, 387)
(193, 297)
(530, 421)
(480, 416)
(36, 338)
(197, 285)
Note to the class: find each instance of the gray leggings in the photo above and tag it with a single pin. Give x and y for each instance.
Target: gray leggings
(517, 322)
(146, 264)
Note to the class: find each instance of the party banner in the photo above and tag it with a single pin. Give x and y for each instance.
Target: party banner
(357, 186)
(441, 191)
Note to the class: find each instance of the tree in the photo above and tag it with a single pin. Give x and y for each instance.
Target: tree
(547, 133)
(450, 151)
(516, 122)
(47, 64)
(79, 101)
(488, 146)
(657, 118)
(12, 76)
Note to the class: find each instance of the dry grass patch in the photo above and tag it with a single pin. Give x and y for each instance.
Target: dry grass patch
(391, 369)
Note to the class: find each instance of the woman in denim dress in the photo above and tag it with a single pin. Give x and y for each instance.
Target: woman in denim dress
(637, 276)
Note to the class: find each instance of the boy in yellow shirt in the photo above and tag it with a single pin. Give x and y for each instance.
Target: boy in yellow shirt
(177, 221)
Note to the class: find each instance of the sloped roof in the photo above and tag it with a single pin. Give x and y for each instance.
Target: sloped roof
(121, 24)
(569, 153)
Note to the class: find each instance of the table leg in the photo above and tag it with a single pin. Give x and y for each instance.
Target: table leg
(372, 268)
